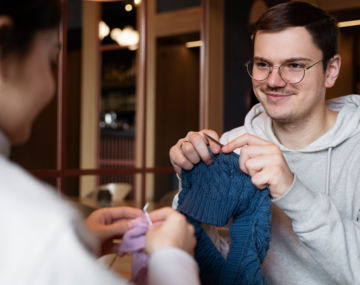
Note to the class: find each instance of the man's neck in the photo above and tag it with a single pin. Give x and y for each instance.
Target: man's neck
(298, 134)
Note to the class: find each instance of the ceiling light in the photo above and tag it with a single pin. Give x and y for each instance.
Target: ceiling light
(104, 30)
(115, 34)
(137, 2)
(128, 7)
(129, 36)
(126, 37)
(101, 0)
(348, 23)
(133, 47)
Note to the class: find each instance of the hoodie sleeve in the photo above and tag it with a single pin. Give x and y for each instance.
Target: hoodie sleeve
(331, 239)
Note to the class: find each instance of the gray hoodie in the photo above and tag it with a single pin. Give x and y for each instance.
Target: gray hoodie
(316, 223)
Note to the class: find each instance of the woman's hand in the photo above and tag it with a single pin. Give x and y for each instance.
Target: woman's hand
(170, 229)
(108, 224)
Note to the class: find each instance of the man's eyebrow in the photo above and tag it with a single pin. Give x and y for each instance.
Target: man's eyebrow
(292, 59)
(261, 59)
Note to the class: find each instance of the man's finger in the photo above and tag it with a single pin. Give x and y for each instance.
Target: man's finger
(200, 145)
(245, 139)
(215, 147)
(190, 154)
(178, 160)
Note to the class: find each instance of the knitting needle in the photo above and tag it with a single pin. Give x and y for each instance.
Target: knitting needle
(145, 212)
(214, 140)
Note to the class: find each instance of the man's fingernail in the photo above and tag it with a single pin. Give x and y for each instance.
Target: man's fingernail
(210, 161)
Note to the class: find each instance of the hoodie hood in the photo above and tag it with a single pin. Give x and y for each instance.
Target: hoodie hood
(347, 124)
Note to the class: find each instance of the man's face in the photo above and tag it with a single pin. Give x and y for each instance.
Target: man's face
(285, 102)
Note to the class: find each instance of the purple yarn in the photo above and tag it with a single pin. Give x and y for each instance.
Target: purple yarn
(134, 242)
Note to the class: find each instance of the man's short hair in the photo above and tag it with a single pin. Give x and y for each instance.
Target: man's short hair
(321, 25)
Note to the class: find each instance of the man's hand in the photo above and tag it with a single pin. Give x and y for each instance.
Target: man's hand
(108, 224)
(264, 162)
(190, 150)
(170, 229)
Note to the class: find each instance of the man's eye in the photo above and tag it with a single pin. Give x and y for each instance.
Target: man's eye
(261, 65)
(295, 66)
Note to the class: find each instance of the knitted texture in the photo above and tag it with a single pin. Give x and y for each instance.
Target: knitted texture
(134, 242)
(213, 194)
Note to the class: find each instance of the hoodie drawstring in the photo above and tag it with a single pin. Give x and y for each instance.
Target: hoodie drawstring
(328, 168)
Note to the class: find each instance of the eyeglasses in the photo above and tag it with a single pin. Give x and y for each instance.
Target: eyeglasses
(290, 72)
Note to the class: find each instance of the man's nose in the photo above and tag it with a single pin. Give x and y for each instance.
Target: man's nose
(274, 79)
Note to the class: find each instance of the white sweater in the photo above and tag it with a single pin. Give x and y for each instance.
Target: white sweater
(43, 240)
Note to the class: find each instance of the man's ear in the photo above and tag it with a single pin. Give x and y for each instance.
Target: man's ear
(332, 71)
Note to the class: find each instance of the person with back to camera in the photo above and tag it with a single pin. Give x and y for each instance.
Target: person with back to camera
(306, 150)
(43, 240)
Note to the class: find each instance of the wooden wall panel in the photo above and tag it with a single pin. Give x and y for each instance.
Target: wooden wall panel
(89, 94)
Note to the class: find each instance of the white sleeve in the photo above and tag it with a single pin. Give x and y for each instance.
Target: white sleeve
(172, 266)
(66, 261)
(175, 203)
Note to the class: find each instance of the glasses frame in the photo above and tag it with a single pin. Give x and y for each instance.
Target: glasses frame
(279, 72)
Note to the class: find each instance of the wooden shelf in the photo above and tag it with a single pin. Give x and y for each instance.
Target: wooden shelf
(117, 133)
(112, 47)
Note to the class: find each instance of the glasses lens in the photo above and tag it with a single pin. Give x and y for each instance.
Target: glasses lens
(292, 72)
(258, 70)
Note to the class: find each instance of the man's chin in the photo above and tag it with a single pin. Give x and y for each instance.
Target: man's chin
(280, 117)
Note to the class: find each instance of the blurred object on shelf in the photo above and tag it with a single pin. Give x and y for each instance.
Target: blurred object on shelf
(109, 194)
(111, 121)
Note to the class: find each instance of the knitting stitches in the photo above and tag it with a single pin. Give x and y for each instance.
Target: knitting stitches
(134, 242)
(213, 194)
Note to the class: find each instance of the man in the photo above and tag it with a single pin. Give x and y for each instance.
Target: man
(304, 149)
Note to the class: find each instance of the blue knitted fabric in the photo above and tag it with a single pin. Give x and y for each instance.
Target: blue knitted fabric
(213, 194)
